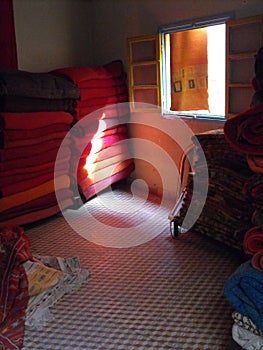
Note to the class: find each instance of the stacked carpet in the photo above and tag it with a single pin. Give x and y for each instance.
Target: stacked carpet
(244, 289)
(22, 91)
(244, 133)
(226, 215)
(100, 133)
(29, 146)
(63, 134)
(99, 86)
(34, 119)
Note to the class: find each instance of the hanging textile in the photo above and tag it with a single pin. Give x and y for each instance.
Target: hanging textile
(189, 62)
(8, 56)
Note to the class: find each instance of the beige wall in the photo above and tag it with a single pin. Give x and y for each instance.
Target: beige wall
(52, 33)
(115, 20)
(158, 145)
(56, 33)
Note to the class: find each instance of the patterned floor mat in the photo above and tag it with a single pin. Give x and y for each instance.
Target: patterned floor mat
(159, 295)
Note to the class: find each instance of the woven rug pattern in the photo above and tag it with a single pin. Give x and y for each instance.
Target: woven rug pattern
(164, 294)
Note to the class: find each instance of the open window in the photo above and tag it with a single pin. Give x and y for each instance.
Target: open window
(200, 68)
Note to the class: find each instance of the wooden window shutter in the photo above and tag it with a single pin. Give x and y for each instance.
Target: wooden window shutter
(144, 72)
(243, 39)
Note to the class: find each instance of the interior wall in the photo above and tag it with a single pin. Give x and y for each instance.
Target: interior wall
(52, 33)
(122, 19)
(56, 33)
(158, 145)
(115, 20)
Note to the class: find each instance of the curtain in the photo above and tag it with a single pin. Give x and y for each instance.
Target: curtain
(8, 53)
(189, 70)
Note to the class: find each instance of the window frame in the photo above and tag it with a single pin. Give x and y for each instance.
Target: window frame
(244, 36)
(165, 70)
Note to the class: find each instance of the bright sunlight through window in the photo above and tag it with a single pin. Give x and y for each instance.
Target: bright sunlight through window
(194, 70)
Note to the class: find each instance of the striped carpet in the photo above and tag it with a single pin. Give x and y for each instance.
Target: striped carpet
(159, 295)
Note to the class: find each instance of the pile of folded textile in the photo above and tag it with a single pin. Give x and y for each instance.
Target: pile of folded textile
(63, 135)
(244, 289)
(244, 132)
(227, 172)
(34, 119)
(99, 86)
(30, 285)
(101, 155)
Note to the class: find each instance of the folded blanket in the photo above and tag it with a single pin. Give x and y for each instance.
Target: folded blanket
(101, 101)
(98, 144)
(246, 339)
(102, 111)
(255, 163)
(95, 128)
(88, 95)
(5, 142)
(34, 120)
(22, 104)
(244, 291)
(257, 260)
(24, 184)
(107, 172)
(43, 157)
(28, 151)
(100, 141)
(61, 166)
(25, 177)
(253, 240)
(92, 165)
(99, 121)
(103, 83)
(33, 193)
(113, 150)
(39, 85)
(43, 202)
(14, 251)
(244, 132)
(78, 75)
(91, 190)
(39, 214)
(105, 154)
(14, 135)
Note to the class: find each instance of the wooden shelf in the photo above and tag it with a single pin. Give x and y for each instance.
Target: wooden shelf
(244, 38)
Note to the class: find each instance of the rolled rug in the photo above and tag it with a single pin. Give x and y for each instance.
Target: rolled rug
(255, 163)
(253, 240)
(244, 132)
